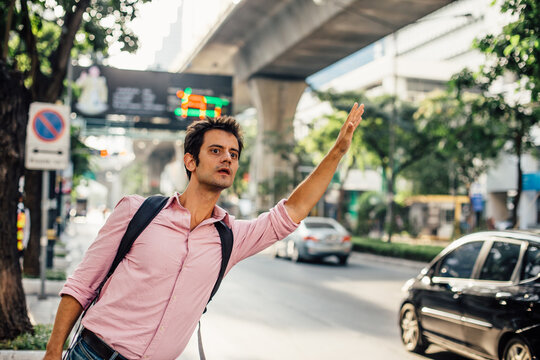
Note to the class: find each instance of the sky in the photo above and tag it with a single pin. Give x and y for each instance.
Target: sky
(150, 26)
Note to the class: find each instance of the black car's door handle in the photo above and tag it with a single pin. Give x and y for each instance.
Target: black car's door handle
(502, 295)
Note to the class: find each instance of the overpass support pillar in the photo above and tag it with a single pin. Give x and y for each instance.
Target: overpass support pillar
(272, 163)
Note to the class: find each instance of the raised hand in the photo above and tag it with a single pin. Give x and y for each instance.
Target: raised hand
(344, 139)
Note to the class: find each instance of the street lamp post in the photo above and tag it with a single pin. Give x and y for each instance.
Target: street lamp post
(392, 144)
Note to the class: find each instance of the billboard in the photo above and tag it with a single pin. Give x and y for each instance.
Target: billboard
(100, 91)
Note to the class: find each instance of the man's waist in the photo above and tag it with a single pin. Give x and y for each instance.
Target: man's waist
(99, 346)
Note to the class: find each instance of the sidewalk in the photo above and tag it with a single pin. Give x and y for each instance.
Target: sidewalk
(43, 311)
(76, 239)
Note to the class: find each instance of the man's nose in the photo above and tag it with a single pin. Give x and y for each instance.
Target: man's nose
(227, 157)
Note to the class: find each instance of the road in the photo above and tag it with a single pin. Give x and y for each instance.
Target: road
(270, 309)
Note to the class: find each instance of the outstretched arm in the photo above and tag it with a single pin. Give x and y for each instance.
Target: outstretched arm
(308, 193)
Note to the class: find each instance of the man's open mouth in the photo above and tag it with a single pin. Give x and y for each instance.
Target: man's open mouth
(224, 171)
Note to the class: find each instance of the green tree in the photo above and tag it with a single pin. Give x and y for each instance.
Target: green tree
(413, 138)
(321, 139)
(13, 318)
(37, 40)
(467, 144)
(513, 53)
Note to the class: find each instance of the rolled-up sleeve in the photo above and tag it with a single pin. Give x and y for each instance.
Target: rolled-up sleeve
(84, 281)
(253, 236)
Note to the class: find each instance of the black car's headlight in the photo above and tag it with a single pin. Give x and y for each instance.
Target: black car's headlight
(408, 284)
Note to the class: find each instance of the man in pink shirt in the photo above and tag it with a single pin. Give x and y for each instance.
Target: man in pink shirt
(150, 306)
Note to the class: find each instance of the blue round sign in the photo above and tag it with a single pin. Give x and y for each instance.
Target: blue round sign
(48, 125)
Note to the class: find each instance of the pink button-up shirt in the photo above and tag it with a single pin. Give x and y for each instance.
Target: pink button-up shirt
(150, 306)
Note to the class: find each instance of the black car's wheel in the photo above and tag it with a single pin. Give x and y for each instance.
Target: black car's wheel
(411, 332)
(517, 349)
(343, 259)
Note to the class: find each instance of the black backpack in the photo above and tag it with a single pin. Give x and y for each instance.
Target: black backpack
(144, 215)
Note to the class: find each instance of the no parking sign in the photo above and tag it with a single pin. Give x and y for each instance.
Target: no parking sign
(47, 137)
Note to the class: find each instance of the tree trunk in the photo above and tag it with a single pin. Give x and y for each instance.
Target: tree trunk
(33, 190)
(341, 208)
(14, 104)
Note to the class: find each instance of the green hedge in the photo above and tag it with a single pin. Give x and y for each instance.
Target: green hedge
(28, 341)
(51, 274)
(400, 250)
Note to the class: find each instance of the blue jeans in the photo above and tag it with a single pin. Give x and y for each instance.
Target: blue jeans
(82, 351)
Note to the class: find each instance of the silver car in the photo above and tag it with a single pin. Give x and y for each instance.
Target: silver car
(316, 238)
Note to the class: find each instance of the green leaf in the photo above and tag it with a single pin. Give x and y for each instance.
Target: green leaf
(508, 50)
(514, 40)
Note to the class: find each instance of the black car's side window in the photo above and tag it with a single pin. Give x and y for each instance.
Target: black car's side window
(460, 262)
(531, 263)
(501, 261)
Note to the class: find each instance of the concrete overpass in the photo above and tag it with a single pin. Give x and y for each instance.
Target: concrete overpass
(270, 47)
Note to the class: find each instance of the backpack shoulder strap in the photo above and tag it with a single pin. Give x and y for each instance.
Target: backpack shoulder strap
(227, 240)
(144, 215)
(226, 236)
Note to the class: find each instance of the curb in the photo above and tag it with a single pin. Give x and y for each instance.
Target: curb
(21, 354)
(390, 260)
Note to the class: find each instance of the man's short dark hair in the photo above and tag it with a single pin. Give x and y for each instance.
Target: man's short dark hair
(196, 130)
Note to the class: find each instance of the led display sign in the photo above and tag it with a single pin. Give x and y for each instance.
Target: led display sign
(175, 99)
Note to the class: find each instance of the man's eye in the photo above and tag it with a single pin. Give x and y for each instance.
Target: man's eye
(215, 151)
(234, 155)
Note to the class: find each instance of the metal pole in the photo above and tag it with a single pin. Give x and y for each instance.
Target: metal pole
(392, 142)
(43, 239)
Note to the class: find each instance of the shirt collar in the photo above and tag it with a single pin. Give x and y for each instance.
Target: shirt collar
(218, 213)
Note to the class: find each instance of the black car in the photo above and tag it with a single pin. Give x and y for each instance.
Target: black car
(480, 297)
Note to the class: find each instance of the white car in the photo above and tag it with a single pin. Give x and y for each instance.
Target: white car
(316, 238)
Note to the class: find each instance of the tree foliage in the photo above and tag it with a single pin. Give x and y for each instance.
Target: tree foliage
(38, 37)
(509, 107)
(467, 143)
(414, 139)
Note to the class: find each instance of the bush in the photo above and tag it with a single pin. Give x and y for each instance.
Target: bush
(400, 250)
(51, 274)
(28, 341)
(55, 274)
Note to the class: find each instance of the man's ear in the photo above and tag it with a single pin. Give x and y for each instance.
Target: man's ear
(190, 162)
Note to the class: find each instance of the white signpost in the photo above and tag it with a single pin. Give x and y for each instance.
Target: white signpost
(47, 137)
(47, 148)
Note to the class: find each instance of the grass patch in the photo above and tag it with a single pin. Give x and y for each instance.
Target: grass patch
(28, 341)
(400, 250)
(51, 274)
(54, 274)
